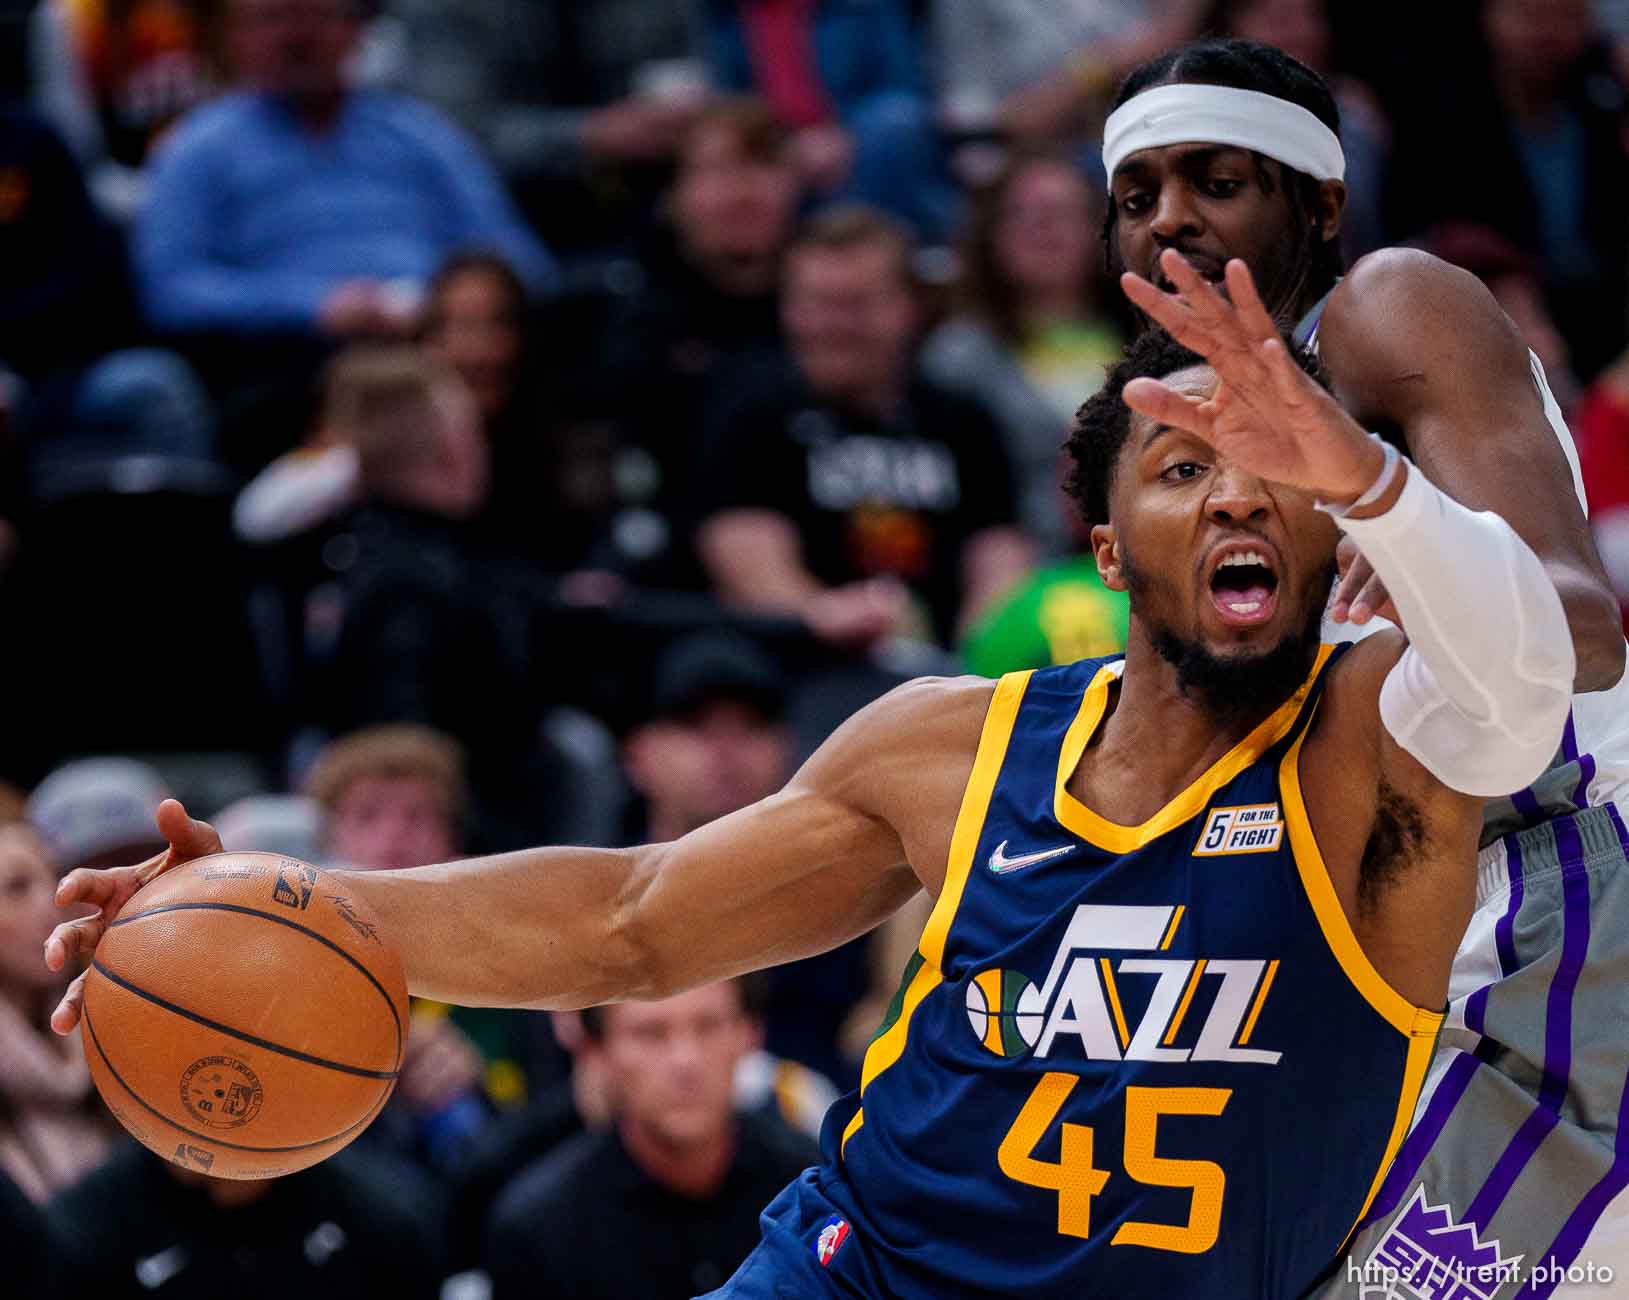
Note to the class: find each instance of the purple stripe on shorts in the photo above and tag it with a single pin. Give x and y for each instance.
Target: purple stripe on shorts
(1528, 806)
(1504, 931)
(1411, 1155)
(1586, 774)
(1569, 740)
(1557, 1030)
(1581, 1222)
(1476, 1010)
(1617, 825)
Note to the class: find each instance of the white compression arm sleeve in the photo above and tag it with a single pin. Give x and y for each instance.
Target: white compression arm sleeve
(1480, 696)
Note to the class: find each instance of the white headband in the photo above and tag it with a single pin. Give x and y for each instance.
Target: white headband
(1243, 119)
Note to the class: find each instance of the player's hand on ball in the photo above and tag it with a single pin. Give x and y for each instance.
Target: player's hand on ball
(108, 891)
(1267, 414)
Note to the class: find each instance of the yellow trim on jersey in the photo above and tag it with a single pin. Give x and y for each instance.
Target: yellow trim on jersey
(1415, 1022)
(1114, 1003)
(1187, 997)
(888, 1047)
(1259, 1003)
(1117, 838)
(1421, 1052)
(1170, 930)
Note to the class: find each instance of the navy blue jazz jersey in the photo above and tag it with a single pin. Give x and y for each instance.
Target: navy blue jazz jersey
(1124, 1062)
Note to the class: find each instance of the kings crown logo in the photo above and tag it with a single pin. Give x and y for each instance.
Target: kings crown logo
(1425, 1255)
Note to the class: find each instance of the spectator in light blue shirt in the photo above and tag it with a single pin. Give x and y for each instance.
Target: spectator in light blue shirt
(297, 206)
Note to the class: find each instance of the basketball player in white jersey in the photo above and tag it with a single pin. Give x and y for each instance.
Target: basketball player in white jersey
(1512, 1181)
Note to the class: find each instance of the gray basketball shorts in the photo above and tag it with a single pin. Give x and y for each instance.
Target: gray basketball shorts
(1510, 1184)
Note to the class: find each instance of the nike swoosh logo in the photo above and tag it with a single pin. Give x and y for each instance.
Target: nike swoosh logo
(1001, 864)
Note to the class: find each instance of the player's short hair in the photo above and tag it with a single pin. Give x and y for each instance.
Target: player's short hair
(1251, 65)
(381, 400)
(1104, 421)
(389, 751)
(846, 226)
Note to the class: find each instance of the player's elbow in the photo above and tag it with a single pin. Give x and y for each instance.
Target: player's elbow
(1596, 622)
(633, 955)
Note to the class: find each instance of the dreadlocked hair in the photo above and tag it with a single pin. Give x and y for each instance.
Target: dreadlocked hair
(1250, 65)
(1103, 422)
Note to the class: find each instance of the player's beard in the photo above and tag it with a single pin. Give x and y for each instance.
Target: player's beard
(1245, 685)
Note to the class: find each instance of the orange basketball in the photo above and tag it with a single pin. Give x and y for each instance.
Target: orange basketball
(244, 1017)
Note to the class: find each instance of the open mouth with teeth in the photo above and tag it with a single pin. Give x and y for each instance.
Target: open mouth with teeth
(1244, 588)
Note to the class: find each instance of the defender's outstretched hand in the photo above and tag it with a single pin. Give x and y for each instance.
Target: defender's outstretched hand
(108, 891)
(1267, 414)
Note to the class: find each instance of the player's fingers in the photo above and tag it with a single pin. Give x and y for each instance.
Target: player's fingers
(72, 938)
(68, 1011)
(98, 888)
(188, 837)
(1159, 402)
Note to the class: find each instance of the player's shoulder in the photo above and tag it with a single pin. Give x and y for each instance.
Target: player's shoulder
(928, 712)
(1396, 298)
(897, 746)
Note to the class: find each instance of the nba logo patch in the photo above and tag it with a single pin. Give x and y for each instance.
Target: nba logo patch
(833, 1233)
(1251, 828)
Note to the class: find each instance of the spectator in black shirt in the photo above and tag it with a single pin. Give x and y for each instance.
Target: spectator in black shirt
(351, 1226)
(852, 492)
(665, 1203)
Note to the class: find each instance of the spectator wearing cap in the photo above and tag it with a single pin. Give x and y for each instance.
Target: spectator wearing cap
(679, 1170)
(716, 741)
(98, 812)
(52, 1126)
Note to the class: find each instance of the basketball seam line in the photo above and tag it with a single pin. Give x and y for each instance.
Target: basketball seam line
(216, 1025)
(280, 920)
(207, 1137)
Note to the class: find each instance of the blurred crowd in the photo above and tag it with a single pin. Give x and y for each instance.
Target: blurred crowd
(431, 427)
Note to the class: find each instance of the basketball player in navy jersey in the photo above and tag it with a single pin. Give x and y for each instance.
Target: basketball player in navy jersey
(1227, 149)
(1178, 993)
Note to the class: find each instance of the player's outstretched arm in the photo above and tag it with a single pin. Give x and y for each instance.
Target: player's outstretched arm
(862, 826)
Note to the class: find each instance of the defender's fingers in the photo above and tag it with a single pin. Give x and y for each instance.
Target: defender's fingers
(68, 1011)
(1371, 600)
(1197, 292)
(1356, 573)
(1163, 404)
(1252, 312)
(1167, 310)
(72, 938)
